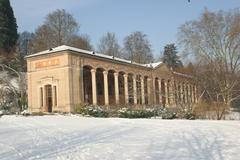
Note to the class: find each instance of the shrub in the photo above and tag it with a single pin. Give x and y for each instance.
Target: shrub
(136, 113)
(94, 111)
(168, 115)
(164, 113)
(189, 115)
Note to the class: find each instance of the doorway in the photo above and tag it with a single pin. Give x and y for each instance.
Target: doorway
(48, 89)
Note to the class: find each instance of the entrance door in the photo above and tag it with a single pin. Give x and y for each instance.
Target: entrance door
(49, 98)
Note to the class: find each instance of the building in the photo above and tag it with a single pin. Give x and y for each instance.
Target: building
(64, 77)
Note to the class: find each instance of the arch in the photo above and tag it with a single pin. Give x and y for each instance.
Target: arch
(179, 100)
(169, 93)
(139, 89)
(157, 92)
(183, 93)
(87, 84)
(100, 86)
(187, 92)
(163, 91)
(146, 89)
(111, 87)
(130, 89)
(121, 87)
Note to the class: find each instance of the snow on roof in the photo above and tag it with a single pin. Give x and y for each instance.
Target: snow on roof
(64, 48)
(182, 74)
(153, 65)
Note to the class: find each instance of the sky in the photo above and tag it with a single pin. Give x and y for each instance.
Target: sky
(158, 19)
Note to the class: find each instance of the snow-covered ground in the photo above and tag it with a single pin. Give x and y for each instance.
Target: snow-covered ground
(72, 137)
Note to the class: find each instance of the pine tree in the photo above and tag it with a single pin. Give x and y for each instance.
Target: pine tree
(170, 57)
(8, 28)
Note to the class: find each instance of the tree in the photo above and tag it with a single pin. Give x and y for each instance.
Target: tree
(170, 57)
(109, 45)
(62, 26)
(137, 48)
(58, 29)
(8, 28)
(24, 43)
(7, 86)
(214, 41)
(43, 39)
(82, 41)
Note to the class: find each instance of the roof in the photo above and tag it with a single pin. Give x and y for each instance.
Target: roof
(68, 48)
(182, 74)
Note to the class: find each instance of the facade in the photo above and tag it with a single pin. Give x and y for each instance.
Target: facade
(64, 77)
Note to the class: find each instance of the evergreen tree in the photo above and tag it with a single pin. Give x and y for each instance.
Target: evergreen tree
(8, 28)
(170, 57)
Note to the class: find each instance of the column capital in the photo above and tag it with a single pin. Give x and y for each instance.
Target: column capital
(93, 70)
(142, 78)
(125, 75)
(115, 74)
(134, 76)
(105, 72)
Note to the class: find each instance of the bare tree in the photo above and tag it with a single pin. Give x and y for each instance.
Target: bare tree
(43, 39)
(137, 48)
(62, 26)
(214, 40)
(109, 45)
(59, 28)
(82, 42)
(19, 90)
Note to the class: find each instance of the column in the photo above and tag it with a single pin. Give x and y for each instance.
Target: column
(196, 95)
(166, 91)
(81, 85)
(154, 90)
(134, 89)
(175, 93)
(94, 92)
(149, 90)
(126, 88)
(183, 93)
(180, 93)
(186, 92)
(189, 93)
(192, 95)
(170, 92)
(160, 91)
(142, 90)
(105, 79)
(116, 88)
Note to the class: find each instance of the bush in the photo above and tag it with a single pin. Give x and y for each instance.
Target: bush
(94, 111)
(136, 113)
(168, 115)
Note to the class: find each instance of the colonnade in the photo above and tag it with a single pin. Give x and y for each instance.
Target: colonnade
(139, 89)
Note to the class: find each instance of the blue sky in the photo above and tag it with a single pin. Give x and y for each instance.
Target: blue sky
(159, 19)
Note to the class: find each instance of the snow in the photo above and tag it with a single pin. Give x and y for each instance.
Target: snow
(153, 65)
(80, 138)
(182, 74)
